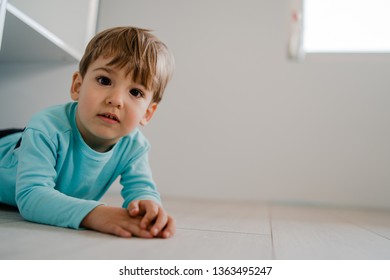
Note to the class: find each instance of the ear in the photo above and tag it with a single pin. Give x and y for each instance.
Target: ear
(149, 114)
(77, 80)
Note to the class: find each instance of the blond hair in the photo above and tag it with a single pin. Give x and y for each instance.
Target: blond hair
(138, 51)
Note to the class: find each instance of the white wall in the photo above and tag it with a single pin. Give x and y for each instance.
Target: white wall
(26, 88)
(240, 120)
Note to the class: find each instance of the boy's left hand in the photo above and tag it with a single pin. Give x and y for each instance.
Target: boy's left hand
(154, 217)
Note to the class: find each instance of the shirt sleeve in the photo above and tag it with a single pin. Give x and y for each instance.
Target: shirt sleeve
(137, 180)
(36, 196)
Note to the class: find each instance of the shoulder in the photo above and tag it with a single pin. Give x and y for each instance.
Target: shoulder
(135, 139)
(53, 120)
(133, 144)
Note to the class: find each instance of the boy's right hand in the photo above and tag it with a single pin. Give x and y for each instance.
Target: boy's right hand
(116, 221)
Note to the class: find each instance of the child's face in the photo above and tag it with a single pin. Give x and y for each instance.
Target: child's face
(111, 104)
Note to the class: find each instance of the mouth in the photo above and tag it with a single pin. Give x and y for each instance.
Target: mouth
(108, 117)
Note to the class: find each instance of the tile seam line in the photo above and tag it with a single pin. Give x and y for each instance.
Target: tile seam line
(359, 225)
(225, 231)
(270, 221)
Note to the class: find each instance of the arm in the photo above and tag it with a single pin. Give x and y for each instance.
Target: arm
(141, 197)
(40, 202)
(116, 221)
(36, 196)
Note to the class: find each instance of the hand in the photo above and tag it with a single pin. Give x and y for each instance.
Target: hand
(115, 220)
(154, 218)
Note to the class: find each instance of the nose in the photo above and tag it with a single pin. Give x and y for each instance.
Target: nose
(115, 99)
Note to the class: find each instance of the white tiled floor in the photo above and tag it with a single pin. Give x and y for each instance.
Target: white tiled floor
(214, 230)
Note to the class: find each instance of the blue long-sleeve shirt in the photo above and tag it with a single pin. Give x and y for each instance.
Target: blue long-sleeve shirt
(55, 178)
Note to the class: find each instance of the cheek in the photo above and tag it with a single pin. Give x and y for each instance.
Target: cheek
(136, 111)
(133, 117)
(89, 102)
(86, 107)
(136, 116)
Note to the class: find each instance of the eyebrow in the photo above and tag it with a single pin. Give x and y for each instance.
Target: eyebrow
(106, 69)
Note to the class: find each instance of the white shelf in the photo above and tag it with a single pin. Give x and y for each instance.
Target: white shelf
(24, 40)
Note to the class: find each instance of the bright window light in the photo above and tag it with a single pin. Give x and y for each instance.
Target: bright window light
(346, 26)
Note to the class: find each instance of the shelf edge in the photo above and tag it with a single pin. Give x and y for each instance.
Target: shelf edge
(3, 10)
(43, 31)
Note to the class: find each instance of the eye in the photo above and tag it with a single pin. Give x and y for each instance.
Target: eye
(136, 93)
(103, 81)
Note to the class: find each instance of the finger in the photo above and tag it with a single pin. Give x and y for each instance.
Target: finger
(119, 231)
(133, 208)
(170, 229)
(152, 211)
(137, 231)
(160, 223)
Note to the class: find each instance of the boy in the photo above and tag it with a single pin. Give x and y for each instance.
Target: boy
(57, 169)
